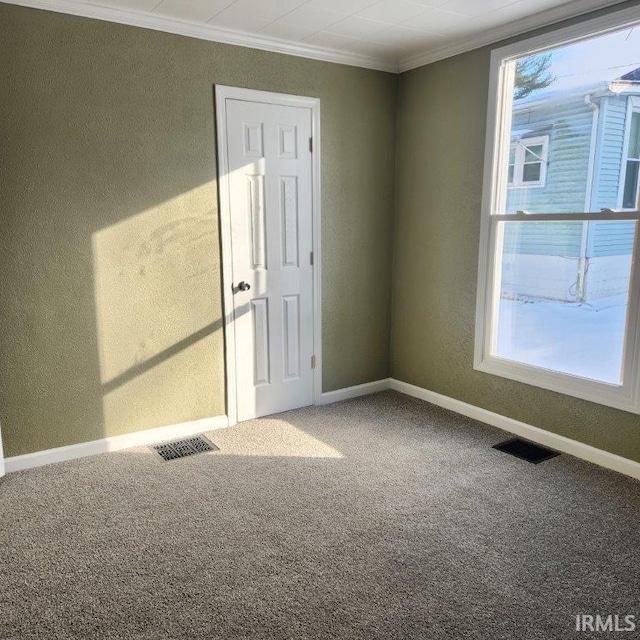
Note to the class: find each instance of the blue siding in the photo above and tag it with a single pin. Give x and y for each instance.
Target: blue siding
(543, 238)
(613, 110)
(568, 126)
(611, 239)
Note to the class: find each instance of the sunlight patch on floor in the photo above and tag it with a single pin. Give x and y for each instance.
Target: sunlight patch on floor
(269, 437)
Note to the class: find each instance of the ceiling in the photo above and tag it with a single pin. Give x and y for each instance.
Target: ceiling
(393, 35)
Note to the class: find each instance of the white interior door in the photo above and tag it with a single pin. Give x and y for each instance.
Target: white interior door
(269, 163)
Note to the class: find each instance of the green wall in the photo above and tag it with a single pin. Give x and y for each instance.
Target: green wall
(109, 246)
(441, 138)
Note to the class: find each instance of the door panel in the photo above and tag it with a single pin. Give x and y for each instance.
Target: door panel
(291, 313)
(271, 238)
(289, 208)
(260, 326)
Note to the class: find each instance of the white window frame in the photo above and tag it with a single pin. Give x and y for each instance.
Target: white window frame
(632, 107)
(625, 396)
(518, 167)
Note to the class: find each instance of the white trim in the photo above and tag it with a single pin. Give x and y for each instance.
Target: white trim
(316, 178)
(114, 443)
(206, 31)
(489, 184)
(535, 434)
(210, 32)
(355, 392)
(610, 395)
(224, 93)
(572, 9)
(151, 436)
(608, 23)
(562, 217)
(226, 259)
(2, 466)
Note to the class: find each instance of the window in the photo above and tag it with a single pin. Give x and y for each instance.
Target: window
(630, 192)
(558, 292)
(528, 162)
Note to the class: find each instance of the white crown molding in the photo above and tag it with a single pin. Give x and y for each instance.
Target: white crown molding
(204, 31)
(114, 443)
(572, 9)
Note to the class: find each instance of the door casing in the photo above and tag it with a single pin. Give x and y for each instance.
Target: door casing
(2, 470)
(224, 93)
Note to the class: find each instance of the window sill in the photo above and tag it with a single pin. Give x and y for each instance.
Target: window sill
(610, 395)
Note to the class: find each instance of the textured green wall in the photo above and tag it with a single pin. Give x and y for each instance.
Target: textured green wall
(109, 250)
(441, 138)
(107, 183)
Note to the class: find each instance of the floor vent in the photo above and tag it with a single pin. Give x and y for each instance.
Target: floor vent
(184, 448)
(526, 450)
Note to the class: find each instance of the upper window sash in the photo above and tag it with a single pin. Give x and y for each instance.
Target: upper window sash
(503, 64)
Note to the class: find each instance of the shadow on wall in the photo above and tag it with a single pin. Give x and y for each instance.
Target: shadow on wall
(157, 313)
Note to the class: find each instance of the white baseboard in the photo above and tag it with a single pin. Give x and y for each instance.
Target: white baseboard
(535, 434)
(113, 443)
(355, 391)
(151, 436)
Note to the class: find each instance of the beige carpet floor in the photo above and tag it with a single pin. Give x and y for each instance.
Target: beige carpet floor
(380, 517)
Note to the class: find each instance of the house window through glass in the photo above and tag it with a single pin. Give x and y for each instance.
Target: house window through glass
(528, 162)
(630, 194)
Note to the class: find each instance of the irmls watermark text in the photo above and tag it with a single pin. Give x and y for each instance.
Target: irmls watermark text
(611, 622)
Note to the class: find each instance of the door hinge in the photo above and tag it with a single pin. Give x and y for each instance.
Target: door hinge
(311, 145)
(313, 362)
(311, 258)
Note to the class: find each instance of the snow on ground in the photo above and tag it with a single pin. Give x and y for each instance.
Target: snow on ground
(577, 338)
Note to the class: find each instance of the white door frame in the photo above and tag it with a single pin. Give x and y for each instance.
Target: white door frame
(224, 93)
(2, 469)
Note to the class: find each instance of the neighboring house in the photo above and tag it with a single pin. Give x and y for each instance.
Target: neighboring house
(573, 151)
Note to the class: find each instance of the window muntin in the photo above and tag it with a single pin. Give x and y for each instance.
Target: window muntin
(556, 238)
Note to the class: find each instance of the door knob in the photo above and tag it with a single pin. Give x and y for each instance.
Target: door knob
(244, 286)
